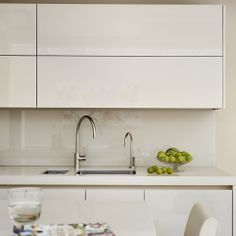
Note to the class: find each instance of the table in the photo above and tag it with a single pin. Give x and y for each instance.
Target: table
(124, 218)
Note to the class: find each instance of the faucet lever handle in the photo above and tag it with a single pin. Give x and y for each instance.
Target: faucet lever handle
(82, 153)
(82, 156)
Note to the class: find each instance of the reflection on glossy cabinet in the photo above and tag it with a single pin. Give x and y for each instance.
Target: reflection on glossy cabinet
(17, 29)
(171, 208)
(18, 81)
(138, 30)
(114, 194)
(130, 82)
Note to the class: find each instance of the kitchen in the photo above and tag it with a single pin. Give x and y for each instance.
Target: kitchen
(44, 137)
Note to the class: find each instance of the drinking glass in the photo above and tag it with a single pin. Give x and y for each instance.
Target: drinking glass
(24, 206)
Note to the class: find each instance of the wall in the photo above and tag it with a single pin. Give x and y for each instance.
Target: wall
(225, 119)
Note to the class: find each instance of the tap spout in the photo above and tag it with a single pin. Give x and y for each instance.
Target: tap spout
(131, 158)
(77, 156)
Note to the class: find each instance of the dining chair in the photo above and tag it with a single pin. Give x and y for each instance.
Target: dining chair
(200, 223)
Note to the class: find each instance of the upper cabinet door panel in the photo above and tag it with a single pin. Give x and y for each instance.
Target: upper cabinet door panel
(130, 82)
(130, 30)
(17, 29)
(18, 81)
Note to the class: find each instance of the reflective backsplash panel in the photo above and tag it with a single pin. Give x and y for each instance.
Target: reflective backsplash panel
(47, 137)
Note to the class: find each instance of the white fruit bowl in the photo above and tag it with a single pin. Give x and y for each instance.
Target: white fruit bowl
(175, 166)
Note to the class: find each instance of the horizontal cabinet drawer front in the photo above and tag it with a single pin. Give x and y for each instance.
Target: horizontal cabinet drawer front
(67, 194)
(3, 194)
(129, 82)
(17, 29)
(129, 30)
(172, 208)
(109, 194)
(18, 81)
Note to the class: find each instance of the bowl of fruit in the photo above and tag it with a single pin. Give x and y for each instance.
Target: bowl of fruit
(174, 157)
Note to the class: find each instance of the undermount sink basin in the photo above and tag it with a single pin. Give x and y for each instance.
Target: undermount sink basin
(107, 172)
(56, 171)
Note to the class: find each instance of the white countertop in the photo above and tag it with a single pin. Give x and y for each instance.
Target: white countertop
(122, 217)
(32, 175)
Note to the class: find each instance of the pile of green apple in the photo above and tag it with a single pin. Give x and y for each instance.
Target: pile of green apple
(160, 170)
(173, 155)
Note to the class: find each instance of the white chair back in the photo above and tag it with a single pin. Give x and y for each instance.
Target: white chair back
(200, 223)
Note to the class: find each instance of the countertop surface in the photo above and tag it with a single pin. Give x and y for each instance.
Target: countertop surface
(33, 175)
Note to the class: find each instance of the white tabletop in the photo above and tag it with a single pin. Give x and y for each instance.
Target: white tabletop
(124, 218)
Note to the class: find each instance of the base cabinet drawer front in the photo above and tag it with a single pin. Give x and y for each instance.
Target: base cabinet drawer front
(131, 30)
(114, 194)
(17, 29)
(171, 209)
(3, 194)
(18, 81)
(129, 82)
(66, 194)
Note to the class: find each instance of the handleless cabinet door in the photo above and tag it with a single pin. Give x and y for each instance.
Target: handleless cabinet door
(17, 81)
(129, 82)
(65, 194)
(3, 194)
(17, 29)
(129, 30)
(114, 194)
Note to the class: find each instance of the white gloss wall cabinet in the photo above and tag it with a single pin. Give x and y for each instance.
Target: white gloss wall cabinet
(112, 194)
(17, 55)
(171, 208)
(129, 30)
(17, 81)
(17, 29)
(130, 82)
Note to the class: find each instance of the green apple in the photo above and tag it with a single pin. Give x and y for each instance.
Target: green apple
(172, 149)
(169, 171)
(154, 167)
(172, 159)
(164, 169)
(150, 170)
(181, 159)
(160, 153)
(167, 159)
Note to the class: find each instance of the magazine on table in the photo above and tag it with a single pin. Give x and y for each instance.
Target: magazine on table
(99, 229)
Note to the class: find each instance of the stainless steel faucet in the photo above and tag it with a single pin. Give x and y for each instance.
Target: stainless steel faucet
(131, 157)
(77, 156)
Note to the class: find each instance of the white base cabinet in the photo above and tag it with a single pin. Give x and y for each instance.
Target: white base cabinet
(114, 194)
(130, 82)
(171, 208)
(65, 194)
(3, 194)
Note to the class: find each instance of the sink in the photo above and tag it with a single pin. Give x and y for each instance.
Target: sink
(107, 172)
(56, 171)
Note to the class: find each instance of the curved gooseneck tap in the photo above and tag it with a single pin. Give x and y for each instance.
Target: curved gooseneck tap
(131, 158)
(77, 156)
